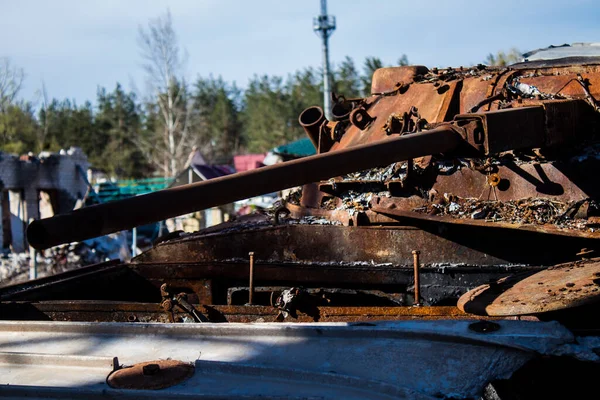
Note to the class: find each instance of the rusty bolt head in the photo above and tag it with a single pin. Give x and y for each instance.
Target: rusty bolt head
(493, 179)
(150, 369)
(585, 252)
(167, 305)
(164, 290)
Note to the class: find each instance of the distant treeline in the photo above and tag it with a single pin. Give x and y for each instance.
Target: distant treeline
(124, 134)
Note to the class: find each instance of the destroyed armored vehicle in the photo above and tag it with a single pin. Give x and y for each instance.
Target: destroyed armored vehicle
(441, 244)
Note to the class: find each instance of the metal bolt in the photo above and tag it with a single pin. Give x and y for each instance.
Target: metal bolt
(585, 253)
(417, 277)
(164, 290)
(116, 364)
(150, 369)
(167, 305)
(251, 284)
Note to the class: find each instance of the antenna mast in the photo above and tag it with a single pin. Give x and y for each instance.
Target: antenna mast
(324, 25)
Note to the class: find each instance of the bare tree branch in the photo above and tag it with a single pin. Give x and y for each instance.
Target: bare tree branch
(163, 64)
(148, 149)
(11, 80)
(43, 132)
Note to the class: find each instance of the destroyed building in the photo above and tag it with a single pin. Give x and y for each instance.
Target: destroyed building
(36, 187)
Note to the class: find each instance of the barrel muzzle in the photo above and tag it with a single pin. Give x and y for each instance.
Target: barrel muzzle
(311, 120)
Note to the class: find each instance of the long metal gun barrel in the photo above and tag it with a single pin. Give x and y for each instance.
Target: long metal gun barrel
(102, 219)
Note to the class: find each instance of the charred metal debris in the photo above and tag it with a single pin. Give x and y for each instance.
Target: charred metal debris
(564, 134)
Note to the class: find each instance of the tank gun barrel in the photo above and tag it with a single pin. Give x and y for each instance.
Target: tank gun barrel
(102, 219)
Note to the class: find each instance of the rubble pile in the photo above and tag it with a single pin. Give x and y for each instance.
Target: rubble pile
(13, 264)
(293, 197)
(390, 172)
(533, 211)
(312, 220)
(355, 202)
(14, 267)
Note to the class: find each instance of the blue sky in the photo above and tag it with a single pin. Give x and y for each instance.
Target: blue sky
(76, 46)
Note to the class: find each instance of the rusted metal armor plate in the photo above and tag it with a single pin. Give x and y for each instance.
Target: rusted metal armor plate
(152, 375)
(556, 288)
(448, 244)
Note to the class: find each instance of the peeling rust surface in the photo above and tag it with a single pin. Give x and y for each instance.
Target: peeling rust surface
(556, 288)
(143, 312)
(557, 180)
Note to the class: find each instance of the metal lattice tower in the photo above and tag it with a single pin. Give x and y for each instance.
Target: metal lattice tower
(324, 25)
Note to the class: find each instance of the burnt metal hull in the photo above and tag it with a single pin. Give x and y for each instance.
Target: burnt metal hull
(441, 244)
